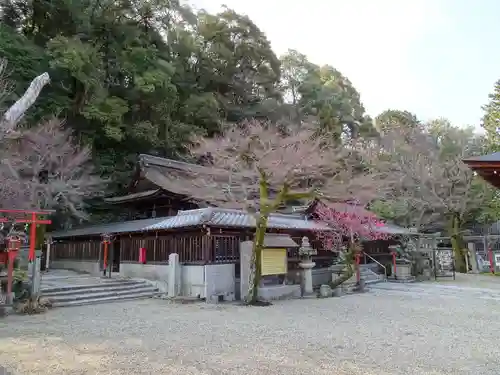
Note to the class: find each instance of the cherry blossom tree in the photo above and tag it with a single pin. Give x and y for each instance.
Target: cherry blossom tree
(260, 167)
(351, 224)
(432, 178)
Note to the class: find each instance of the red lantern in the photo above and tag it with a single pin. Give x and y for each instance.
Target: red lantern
(13, 244)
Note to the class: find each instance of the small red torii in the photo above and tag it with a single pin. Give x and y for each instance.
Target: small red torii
(33, 220)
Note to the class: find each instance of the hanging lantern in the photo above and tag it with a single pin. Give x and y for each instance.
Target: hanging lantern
(13, 243)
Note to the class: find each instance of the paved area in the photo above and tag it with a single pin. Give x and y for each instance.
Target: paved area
(393, 329)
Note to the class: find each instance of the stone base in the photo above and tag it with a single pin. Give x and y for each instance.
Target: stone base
(276, 292)
(310, 296)
(337, 292)
(218, 298)
(402, 281)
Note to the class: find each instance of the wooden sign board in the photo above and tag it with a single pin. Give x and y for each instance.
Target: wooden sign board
(274, 262)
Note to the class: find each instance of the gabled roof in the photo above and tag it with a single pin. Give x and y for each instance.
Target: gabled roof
(164, 175)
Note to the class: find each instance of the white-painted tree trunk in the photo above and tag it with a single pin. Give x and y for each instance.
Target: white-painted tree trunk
(14, 114)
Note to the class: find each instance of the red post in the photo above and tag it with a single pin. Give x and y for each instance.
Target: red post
(32, 237)
(10, 274)
(358, 273)
(142, 255)
(394, 263)
(105, 243)
(492, 266)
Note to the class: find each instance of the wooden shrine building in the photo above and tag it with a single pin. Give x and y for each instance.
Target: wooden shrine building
(160, 219)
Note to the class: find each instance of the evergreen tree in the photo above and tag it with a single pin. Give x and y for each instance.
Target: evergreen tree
(491, 120)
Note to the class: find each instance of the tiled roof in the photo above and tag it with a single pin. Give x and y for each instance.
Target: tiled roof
(233, 218)
(391, 229)
(192, 218)
(211, 216)
(112, 228)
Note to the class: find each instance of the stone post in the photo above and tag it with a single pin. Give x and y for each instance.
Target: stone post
(307, 276)
(473, 257)
(306, 251)
(47, 257)
(36, 278)
(174, 275)
(246, 248)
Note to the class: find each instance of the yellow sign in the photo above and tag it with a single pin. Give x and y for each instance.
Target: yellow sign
(274, 262)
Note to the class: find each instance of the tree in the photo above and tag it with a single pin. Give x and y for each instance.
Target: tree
(41, 168)
(391, 118)
(351, 224)
(427, 161)
(491, 120)
(325, 94)
(260, 167)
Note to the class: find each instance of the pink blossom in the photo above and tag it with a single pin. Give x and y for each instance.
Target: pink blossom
(350, 222)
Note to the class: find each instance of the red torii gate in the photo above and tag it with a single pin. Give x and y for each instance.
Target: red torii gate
(13, 243)
(32, 219)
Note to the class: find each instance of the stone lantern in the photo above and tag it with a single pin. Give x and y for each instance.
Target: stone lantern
(306, 252)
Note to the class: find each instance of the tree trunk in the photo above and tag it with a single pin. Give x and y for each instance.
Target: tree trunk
(348, 272)
(350, 267)
(255, 264)
(457, 243)
(14, 114)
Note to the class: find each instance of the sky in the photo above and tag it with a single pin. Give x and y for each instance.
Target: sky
(435, 58)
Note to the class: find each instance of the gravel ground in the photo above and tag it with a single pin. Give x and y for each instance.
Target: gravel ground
(393, 329)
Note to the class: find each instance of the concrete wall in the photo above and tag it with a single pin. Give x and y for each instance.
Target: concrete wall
(202, 281)
(91, 267)
(193, 281)
(321, 276)
(220, 281)
(154, 272)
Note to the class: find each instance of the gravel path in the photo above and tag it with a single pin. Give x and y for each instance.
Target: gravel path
(393, 329)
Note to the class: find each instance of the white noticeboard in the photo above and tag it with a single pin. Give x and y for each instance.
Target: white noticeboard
(497, 260)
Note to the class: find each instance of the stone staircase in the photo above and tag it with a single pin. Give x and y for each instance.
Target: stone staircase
(105, 290)
(370, 276)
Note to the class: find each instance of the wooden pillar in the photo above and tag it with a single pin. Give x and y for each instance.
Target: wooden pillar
(207, 246)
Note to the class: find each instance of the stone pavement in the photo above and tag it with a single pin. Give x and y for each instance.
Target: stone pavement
(415, 329)
(447, 289)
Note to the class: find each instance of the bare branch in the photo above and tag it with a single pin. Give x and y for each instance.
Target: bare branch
(427, 161)
(301, 160)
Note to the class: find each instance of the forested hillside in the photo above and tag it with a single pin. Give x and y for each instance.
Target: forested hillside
(142, 76)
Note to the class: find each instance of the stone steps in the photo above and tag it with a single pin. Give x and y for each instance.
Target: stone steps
(370, 276)
(99, 292)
